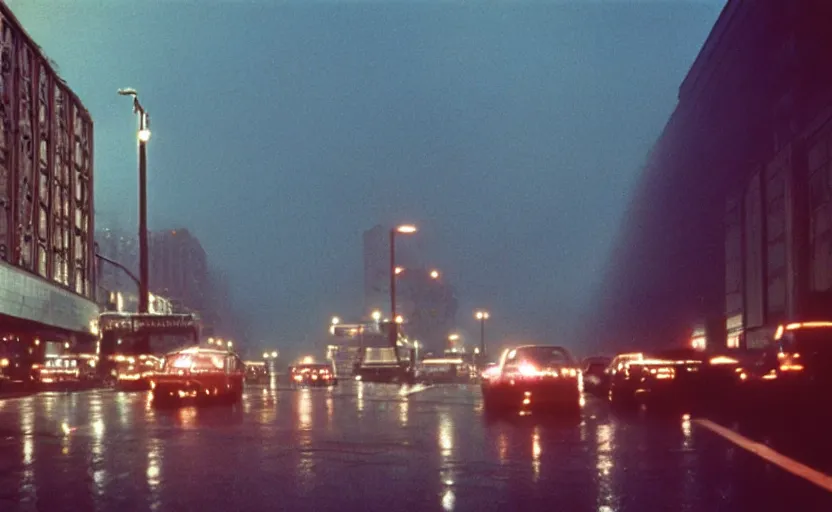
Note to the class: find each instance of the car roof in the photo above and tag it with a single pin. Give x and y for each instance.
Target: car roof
(200, 351)
(558, 347)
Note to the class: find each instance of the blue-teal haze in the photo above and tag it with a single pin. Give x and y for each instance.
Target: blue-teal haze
(511, 132)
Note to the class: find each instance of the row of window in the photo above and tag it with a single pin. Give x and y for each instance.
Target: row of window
(45, 168)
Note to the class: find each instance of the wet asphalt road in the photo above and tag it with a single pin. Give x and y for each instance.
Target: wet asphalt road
(371, 447)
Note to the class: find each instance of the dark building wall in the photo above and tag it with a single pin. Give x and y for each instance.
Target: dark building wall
(741, 105)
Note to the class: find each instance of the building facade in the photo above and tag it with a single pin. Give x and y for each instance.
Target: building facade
(117, 245)
(47, 262)
(726, 235)
(376, 256)
(180, 278)
(425, 300)
(179, 269)
(428, 306)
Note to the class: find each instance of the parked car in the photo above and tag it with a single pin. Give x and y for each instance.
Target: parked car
(681, 376)
(793, 369)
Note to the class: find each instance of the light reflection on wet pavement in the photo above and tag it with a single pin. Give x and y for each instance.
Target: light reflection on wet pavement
(370, 447)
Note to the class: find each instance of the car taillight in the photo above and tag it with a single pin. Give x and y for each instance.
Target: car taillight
(528, 370)
(663, 372)
(789, 362)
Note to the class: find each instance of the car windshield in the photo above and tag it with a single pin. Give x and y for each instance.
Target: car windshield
(544, 355)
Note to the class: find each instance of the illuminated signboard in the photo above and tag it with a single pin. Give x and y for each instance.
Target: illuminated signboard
(147, 323)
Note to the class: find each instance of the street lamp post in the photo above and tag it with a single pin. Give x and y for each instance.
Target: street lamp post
(143, 136)
(482, 316)
(404, 229)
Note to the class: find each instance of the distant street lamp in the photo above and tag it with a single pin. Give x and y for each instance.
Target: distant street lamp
(376, 315)
(274, 354)
(406, 229)
(336, 320)
(452, 339)
(434, 274)
(482, 316)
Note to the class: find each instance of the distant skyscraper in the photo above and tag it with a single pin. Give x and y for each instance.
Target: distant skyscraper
(427, 303)
(179, 268)
(119, 246)
(376, 269)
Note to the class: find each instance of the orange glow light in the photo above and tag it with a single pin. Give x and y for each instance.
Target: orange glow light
(406, 229)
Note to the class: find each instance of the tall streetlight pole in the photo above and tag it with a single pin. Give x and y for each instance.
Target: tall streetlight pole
(143, 137)
(482, 316)
(403, 229)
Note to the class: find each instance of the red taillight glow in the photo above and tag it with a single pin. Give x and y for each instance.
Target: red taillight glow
(528, 370)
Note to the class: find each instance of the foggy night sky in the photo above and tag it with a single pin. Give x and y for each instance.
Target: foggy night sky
(512, 133)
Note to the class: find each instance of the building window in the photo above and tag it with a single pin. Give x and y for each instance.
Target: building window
(820, 222)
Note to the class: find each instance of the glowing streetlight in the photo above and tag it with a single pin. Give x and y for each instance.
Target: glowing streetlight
(434, 274)
(308, 360)
(210, 341)
(336, 320)
(399, 319)
(407, 229)
(454, 337)
(482, 316)
(265, 355)
(376, 315)
(274, 354)
(398, 270)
